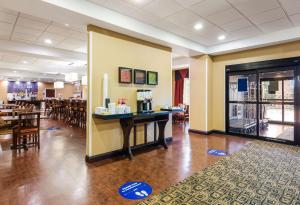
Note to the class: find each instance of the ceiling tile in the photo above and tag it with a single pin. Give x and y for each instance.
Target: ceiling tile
(291, 6)
(225, 16)
(8, 18)
(185, 18)
(58, 30)
(211, 31)
(236, 25)
(6, 26)
(33, 24)
(33, 18)
(28, 31)
(71, 44)
(295, 19)
(138, 3)
(52, 36)
(80, 35)
(11, 58)
(24, 37)
(276, 25)
(189, 3)
(8, 11)
(209, 7)
(251, 7)
(143, 16)
(250, 31)
(162, 8)
(267, 16)
(4, 35)
(99, 2)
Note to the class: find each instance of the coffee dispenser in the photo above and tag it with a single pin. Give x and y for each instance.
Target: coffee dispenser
(144, 101)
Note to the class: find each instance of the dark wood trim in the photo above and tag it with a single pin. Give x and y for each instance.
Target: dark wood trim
(201, 132)
(206, 133)
(134, 135)
(122, 36)
(277, 63)
(120, 152)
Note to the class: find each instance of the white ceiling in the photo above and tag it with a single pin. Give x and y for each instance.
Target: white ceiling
(21, 27)
(18, 30)
(237, 19)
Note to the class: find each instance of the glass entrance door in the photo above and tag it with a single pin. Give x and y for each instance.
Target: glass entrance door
(242, 104)
(261, 104)
(276, 105)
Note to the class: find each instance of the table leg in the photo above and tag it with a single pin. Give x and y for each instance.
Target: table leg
(161, 129)
(127, 125)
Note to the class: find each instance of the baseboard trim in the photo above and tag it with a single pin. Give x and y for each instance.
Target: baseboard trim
(201, 132)
(120, 152)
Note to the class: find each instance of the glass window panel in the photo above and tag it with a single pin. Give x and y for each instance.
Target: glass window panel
(242, 118)
(289, 113)
(271, 90)
(242, 88)
(271, 112)
(289, 90)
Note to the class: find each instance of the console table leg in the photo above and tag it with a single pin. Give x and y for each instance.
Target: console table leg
(161, 136)
(127, 125)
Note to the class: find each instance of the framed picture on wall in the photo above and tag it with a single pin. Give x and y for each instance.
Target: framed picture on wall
(125, 75)
(152, 78)
(139, 76)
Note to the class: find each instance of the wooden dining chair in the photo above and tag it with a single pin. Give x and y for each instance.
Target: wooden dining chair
(27, 131)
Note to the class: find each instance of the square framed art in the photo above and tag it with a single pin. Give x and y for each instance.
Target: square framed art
(152, 78)
(139, 76)
(125, 75)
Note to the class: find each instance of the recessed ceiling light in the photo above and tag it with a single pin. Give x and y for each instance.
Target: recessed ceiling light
(25, 62)
(67, 25)
(221, 37)
(198, 26)
(48, 41)
(14, 71)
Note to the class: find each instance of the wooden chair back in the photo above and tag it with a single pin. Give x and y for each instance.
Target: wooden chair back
(29, 120)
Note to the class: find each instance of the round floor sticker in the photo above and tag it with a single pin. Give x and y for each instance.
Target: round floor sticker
(53, 128)
(135, 190)
(216, 152)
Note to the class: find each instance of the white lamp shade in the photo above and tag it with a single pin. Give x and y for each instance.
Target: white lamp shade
(59, 85)
(84, 80)
(71, 77)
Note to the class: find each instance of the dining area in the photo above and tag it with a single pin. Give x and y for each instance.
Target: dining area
(22, 122)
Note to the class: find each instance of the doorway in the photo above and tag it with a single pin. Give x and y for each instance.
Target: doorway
(260, 102)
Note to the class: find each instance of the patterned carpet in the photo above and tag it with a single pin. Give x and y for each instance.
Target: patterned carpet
(261, 173)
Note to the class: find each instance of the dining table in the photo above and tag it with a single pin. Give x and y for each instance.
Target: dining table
(6, 111)
(7, 106)
(16, 118)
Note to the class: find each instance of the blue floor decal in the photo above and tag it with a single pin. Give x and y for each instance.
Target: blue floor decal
(216, 152)
(53, 128)
(135, 190)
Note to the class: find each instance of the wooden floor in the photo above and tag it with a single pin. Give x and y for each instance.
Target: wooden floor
(59, 175)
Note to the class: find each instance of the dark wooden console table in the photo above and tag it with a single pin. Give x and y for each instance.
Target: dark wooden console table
(130, 120)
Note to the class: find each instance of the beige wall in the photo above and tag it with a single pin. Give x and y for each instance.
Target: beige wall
(219, 63)
(106, 54)
(201, 93)
(3, 91)
(65, 92)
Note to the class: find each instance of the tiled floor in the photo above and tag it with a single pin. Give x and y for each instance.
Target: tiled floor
(58, 173)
